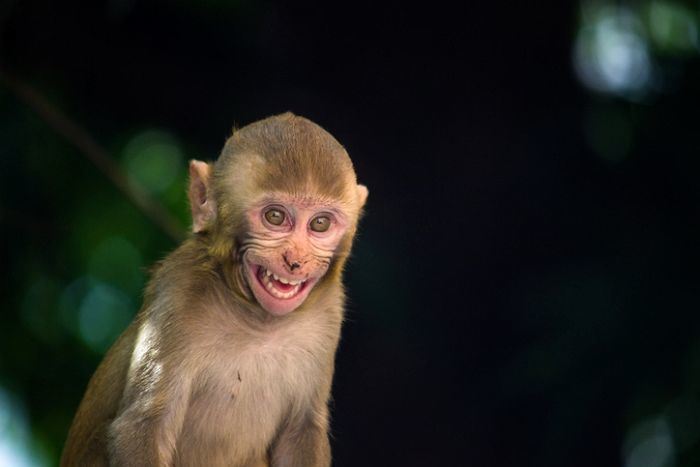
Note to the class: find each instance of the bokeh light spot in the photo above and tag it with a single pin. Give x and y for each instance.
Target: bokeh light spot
(69, 304)
(103, 315)
(153, 159)
(649, 444)
(16, 446)
(611, 54)
(94, 312)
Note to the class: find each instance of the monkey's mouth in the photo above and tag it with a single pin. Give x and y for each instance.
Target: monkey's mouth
(277, 294)
(279, 287)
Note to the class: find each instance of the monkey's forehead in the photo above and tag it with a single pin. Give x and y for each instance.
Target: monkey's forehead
(322, 175)
(288, 170)
(302, 199)
(302, 185)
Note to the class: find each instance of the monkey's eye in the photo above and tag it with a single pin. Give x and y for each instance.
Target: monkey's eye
(274, 216)
(320, 223)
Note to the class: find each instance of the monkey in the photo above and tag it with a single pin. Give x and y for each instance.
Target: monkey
(230, 360)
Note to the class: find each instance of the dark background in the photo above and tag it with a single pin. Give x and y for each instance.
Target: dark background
(524, 287)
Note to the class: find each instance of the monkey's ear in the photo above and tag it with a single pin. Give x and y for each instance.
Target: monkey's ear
(362, 193)
(201, 203)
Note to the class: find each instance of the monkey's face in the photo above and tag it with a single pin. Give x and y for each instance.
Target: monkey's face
(289, 247)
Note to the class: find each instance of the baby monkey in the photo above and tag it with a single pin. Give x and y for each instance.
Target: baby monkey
(230, 360)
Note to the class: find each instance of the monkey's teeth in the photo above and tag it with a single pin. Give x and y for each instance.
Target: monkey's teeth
(283, 280)
(269, 286)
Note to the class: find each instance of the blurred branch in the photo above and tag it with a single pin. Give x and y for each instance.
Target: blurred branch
(96, 154)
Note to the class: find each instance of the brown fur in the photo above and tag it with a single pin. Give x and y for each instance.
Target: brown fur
(204, 375)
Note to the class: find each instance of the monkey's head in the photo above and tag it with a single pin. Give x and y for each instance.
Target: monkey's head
(279, 208)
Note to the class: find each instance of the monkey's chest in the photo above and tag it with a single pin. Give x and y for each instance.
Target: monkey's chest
(239, 404)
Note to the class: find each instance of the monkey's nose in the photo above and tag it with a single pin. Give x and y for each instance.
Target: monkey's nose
(292, 264)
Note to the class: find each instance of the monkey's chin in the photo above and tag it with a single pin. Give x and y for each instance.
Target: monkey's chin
(278, 295)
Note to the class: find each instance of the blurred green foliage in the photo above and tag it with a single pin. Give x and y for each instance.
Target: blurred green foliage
(78, 272)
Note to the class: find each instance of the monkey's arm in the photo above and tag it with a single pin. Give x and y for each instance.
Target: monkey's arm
(153, 409)
(144, 435)
(132, 409)
(304, 441)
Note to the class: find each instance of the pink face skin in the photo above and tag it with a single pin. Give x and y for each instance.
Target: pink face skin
(288, 250)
